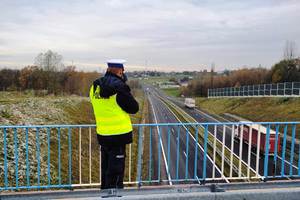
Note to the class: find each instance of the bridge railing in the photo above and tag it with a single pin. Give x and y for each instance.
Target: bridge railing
(68, 156)
(276, 89)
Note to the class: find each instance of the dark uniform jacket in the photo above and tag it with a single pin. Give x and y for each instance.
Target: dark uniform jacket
(111, 84)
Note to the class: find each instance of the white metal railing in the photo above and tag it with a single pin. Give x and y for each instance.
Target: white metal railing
(278, 89)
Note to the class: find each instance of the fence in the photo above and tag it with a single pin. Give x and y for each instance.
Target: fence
(279, 89)
(67, 156)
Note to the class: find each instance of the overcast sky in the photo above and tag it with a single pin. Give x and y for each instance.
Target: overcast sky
(165, 34)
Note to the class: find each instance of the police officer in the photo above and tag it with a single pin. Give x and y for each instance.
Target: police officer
(112, 103)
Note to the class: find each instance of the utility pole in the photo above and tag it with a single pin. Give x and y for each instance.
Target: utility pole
(212, 75)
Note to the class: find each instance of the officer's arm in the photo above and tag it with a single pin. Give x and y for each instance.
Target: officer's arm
(126, 101)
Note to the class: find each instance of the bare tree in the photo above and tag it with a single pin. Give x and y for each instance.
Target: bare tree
(49, 61)
(289, 50)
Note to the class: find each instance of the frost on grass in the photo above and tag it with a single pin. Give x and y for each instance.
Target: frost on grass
(28, 110)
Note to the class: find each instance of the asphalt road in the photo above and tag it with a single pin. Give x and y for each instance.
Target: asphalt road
(177, 147)
(202, 116)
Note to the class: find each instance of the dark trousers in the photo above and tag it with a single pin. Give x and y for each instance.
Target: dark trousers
(112, 166)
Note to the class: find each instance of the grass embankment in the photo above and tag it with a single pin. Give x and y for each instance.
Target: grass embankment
(254, 109)
(174, 92)
(18, 108)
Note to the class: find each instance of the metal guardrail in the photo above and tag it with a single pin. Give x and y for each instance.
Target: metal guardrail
(278, 89)
(67, 156)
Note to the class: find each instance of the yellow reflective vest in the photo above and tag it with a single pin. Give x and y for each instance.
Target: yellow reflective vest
(110, 118)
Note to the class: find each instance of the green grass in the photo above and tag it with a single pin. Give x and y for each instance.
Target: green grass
(175, 92)
(254, 109)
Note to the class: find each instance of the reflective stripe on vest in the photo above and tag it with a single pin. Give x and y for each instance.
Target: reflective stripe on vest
(110, 118)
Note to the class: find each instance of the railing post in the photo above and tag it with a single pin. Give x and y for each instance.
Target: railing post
(196, 153)
(38, 154)
(276, 149)
(205, 154)
(150, 154)
(16, 157)
(292, 149)
(70, 157)
(48, 159)
(283, 151)
(27, 159)
(5, 159)
(139, 167)
(59, 164)
(177, 153)
(266, 160)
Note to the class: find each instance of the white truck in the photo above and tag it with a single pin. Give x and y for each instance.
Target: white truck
(189, 103)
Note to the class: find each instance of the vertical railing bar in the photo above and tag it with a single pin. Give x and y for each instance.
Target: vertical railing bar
(292, 149)
(80, 181)
(159, 152)
(299, 159)
(168, 158)
(205, 152)
(283, 150)
(150, 154)
(59, 160)
(249, 152)
(177, 153)
(258, 150)
(214, 152)
(100, 171)
(38, 154)
(140, 149)
(223, 149)
(48, 154)
(70, 155)
(16, 158)
(27, 158)
(276, 147)
(241, 150)
(196, 153)
(187, 154)
(90, 155)
(231, 150)
(266, 160)
(129, 168)
(5, 159)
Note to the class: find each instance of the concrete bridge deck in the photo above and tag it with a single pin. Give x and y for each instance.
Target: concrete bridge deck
(259, 191)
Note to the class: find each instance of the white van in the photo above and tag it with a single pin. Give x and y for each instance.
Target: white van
(189, 103)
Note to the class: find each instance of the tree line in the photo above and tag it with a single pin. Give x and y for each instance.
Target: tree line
(48, 75)
(43, 82)
(287, 70)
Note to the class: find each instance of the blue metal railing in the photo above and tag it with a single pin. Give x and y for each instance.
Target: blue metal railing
(67, 156)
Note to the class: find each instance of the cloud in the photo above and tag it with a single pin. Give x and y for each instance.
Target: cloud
(175, 34)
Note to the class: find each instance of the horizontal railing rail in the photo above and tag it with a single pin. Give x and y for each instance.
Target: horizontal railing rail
(68, 156)
(276, 89)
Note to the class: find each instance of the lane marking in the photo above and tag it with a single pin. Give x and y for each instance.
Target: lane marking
(184, 153)
(161, 144)
(197, 142)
